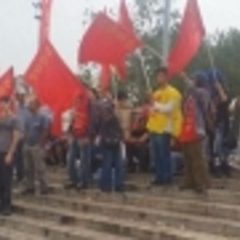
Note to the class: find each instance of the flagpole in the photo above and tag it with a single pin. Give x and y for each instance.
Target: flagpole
(166, 32)
(153, 51)
(147, 79)
(114, 82)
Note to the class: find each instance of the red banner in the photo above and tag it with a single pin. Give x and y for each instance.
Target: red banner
(7, 83)
(189, 40)
(53, 82)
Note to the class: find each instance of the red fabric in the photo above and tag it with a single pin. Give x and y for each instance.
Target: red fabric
(53, 82)
(81, 116)
(112, 46)
(189, 130)
(126, 22)
(105, 42)
(191, 35)
(7, 83)
(105, 77)
(45, 21)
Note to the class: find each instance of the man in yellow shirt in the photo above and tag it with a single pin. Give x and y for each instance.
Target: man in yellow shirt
(165, 121)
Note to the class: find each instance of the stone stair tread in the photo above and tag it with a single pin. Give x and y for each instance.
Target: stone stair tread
(146, 210)
(132, 223)
(83, 232)
(11, 234)
(126, 197)
(213, 194)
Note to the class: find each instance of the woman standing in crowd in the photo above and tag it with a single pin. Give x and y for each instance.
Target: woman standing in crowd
(195, 107)
(9, 137)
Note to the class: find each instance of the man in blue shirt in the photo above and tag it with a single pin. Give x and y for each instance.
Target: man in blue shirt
(36, 130)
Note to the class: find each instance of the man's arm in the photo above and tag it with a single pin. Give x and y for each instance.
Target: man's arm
(164, 108)
(12, 148)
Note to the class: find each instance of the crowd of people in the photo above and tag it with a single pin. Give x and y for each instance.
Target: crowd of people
(190, 133)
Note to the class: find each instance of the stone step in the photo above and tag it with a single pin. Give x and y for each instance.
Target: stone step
(216, 196)
(130, 219)
(194, 207)
(138, 182)
(43, 229)
(12, 234)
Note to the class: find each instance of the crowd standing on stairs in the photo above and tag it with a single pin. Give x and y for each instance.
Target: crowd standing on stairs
(199, 125)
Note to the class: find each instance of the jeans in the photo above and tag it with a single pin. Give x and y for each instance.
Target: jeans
(73, 166)
(6, 172)
(161, 157)
(111, 160)
(221, 151)
(79, 163)
(86, 157)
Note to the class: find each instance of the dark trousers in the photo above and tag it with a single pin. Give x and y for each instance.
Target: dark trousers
(161, 158)
(79, 163)
(19, 161)
(140, 153)
(112, 160)
(6, 172)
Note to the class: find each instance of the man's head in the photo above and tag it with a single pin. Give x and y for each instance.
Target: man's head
(122, 97)
(34, 104)
(20, 97)
(162, 76)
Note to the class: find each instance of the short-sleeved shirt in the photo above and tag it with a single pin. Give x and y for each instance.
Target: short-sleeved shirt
(7, 128)
(21, 114)
(35, 125)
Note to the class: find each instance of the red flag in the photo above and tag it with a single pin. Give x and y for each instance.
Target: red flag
(191, 35)
(53, 82)
(126, 22)
(105, 77)
(45, 21)
(113, 43)
(7, 83)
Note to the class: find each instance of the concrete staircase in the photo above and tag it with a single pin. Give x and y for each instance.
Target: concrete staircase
(142, 213)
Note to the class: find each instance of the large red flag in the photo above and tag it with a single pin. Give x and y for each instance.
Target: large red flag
(7, 83)
(112, 46)
(53, 82)
(105, 80)
(45, 21)
(126, 22)
(105, 42)
(189, 40)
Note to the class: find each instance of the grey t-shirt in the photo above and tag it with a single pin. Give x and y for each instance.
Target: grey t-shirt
(35, 125)
(7, 127)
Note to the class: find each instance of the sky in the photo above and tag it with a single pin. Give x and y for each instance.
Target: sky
(19, 29)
